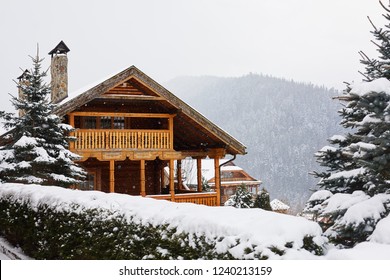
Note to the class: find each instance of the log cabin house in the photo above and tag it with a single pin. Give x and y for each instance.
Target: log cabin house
(129, 127)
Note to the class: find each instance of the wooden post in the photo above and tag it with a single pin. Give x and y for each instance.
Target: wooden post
(170, 121)
(162, 176)
(172, 179)
(217, 178)
(199, 173)
(112, 176)
(142, 175)
(178, 176)
(71, 123)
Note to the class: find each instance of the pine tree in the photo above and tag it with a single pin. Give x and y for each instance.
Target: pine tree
(262, 200)
(241, 199)
(358, 163)
(37, 146)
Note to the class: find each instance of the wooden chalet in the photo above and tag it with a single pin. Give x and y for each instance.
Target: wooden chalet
(129, 127)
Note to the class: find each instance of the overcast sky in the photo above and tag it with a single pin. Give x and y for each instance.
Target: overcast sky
(304, 40)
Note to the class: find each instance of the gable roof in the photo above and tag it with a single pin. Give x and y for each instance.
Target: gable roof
(191, 119)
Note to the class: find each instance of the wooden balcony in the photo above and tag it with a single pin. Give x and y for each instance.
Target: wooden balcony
(209, 198)
(122, 139)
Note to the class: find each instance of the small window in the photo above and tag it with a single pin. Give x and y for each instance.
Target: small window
(119, 122)
(90, 122)
(89, 183)
(105, 122)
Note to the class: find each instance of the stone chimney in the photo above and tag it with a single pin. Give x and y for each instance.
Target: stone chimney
(23, 80)
(59, 73)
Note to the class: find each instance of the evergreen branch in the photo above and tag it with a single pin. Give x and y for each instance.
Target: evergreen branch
(364, 75)
(373, 25)
(384, 7)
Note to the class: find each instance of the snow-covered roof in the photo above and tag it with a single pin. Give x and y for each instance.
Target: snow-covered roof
(276, 205)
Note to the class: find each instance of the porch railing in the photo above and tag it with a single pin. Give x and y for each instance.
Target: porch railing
(209, 199)
(88, 139)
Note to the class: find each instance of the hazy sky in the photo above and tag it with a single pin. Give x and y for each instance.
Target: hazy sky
(304, 40)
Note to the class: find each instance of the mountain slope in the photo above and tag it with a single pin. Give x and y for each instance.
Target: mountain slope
(282, 123)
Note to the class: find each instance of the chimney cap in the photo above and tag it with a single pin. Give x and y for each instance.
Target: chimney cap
(61, 48)
(25, 74)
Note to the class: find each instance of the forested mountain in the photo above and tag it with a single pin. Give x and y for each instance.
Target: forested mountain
(282, 123)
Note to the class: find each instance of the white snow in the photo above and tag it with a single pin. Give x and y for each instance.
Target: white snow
(320, 195)
(381, 233)
(347, 174)
(363, 145)
(343, 201)
(369, 119)
(371, 208)
(25, 141)
(378, 85)
(328, 148)
(276, 205)
(340, 138)
(362, 251)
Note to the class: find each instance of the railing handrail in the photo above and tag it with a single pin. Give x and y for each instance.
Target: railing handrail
(118, 130)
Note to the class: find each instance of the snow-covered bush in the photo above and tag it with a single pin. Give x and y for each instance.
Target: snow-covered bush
(58, 223)
(241, 199)
(351, 218)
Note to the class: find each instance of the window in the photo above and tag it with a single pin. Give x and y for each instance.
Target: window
(90, 122)
(119, 122)
(89, 183)
(105, 122)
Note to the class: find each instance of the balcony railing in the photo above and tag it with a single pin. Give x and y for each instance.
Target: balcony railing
(100, 139)
(209, 199)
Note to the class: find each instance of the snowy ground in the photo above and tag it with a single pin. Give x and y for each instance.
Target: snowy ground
(257, 226)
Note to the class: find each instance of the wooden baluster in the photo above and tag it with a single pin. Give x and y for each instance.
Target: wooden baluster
(83, 141)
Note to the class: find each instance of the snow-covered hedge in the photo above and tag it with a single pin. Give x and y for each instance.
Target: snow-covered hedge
(58, 223)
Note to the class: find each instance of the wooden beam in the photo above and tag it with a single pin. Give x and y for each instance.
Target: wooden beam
(170, 125)
(71, 123)
(112, 176)
(217, 178)
(199, 173)
(126, 115)
(162, 177)
(178, 176)
(142, 176)
(130, 97)
(172, 179)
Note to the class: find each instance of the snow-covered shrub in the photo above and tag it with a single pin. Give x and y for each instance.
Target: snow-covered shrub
(241, 199)
(58, 223)
(348, 219)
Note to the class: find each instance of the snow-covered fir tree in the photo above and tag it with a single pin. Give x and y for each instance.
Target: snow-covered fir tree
(358, 163)
(241, 199)
(262, 200)
(37, 147)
